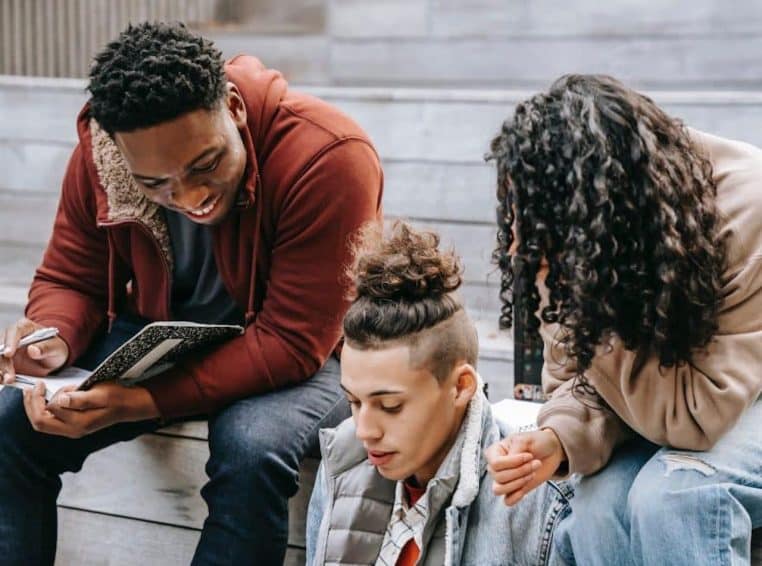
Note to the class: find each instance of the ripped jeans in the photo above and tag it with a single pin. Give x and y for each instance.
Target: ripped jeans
(654, 506)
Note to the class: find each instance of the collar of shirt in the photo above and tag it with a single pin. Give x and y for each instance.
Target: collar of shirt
(409, 521)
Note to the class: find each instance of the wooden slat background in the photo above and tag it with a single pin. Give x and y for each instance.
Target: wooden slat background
(58, 38)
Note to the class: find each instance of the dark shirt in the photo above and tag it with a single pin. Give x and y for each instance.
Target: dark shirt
(198, 294)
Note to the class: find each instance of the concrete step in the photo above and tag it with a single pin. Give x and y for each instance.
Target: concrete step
(430, 42)
(432, 143)
(540, 19)
(514, 44)
(18, 263)
(407, 125)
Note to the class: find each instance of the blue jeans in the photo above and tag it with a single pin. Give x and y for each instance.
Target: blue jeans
(256, 445)
(655, 506)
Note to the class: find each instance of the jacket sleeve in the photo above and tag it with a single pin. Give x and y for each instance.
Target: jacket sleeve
(70, 286)
(587, 428)
(299, 324)
(688, 407)
(691, 406)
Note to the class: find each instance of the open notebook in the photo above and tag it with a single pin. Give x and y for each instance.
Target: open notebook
(153, 350)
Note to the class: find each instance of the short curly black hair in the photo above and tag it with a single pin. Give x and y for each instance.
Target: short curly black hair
(613, 193)
(152, 73)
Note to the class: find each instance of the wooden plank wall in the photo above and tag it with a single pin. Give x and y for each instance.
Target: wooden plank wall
(58, 38)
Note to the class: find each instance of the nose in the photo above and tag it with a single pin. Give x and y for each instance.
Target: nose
(366, 429)
(190, 197)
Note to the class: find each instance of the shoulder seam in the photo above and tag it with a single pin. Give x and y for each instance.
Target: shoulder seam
(323, 150)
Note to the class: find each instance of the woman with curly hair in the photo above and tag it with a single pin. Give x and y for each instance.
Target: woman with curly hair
(639, 241)
(404, 481)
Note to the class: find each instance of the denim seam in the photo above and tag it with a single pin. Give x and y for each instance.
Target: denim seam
(559, 504)
(723, 530)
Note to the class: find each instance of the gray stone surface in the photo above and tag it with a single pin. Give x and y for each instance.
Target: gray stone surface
(652, 62)
(620, 18)
(32, 166)
(432, 143)
(272, 16)
(674, 43)
(379, 18)
(301, 58)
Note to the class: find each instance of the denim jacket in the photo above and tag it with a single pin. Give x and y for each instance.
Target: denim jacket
(351, 505)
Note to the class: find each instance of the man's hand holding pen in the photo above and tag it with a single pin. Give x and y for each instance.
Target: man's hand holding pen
(32, 349)
(39, 358)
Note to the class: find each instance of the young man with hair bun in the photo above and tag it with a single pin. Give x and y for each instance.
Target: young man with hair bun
(404, 481)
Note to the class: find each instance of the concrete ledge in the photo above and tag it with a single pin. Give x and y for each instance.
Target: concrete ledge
(413, 94)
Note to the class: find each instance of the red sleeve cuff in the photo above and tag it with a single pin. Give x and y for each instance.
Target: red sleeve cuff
(177, 394)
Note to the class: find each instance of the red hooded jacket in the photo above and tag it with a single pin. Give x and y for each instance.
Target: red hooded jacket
(312, 179)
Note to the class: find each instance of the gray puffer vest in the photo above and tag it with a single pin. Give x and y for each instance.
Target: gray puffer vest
(352, 503)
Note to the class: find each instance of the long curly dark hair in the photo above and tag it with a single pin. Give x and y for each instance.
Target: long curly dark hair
(610, 191)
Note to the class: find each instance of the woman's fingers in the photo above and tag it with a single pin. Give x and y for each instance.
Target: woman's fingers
(500, 462)
(514, 498)
(508, 475)
(507, 489)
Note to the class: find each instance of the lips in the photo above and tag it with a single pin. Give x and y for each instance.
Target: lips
(205, 212)
(379, 458)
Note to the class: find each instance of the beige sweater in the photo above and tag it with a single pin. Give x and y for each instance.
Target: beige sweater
(691, 406)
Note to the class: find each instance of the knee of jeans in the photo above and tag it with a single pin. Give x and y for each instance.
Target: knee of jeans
(594, 515)
(14, 424)
(667, 482)
(599, 500)
(242, 447)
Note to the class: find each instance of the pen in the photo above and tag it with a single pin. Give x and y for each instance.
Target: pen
(34, 337)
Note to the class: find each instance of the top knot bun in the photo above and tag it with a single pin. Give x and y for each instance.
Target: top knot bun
(406, 265)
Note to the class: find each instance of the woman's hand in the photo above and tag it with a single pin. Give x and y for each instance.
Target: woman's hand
(521, 462)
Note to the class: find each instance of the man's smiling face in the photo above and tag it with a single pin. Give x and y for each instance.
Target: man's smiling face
(193, 164)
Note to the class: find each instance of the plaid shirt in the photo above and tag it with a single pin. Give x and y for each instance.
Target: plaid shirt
(406, 523)
(410, 522)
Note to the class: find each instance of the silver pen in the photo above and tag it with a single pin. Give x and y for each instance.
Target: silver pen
(36, 336)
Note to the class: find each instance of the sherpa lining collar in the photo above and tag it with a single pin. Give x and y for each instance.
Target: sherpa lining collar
(471, 454)
(125, 200)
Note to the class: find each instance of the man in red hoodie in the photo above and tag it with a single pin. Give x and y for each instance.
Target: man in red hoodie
(197, 191)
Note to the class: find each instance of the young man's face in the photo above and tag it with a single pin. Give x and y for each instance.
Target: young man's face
(193, 164)
(406, 419)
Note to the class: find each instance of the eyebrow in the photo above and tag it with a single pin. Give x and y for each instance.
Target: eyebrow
(376, 393)
(204, 154)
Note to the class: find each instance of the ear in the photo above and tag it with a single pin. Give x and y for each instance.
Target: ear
(466, 384)
(235, 105)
